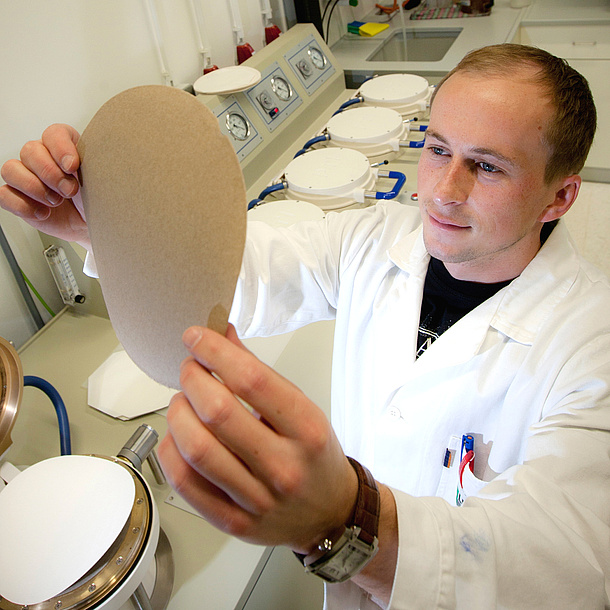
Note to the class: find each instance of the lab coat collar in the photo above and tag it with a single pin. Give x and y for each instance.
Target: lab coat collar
(410, 254)
(545, 281)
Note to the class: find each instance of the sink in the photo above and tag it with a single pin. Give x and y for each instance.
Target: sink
(416, 45)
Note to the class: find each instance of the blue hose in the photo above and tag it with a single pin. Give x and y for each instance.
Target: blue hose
(310, 143)
(60, 409)
(350, 102)
(265, 192)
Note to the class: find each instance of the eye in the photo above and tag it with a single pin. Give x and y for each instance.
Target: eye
(488, 168)
(436, 150)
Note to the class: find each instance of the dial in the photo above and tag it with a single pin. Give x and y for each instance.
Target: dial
(317, 57)
(265, 100)
(304, 68)
(281, 88)
(238, 126)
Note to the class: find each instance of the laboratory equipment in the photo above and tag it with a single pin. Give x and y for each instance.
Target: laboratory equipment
(79, 531)
(63, 275)
(408, 94)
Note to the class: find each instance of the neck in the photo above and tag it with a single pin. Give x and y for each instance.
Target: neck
(502, 266)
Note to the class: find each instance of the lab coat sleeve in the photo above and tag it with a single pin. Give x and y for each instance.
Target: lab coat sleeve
(288, 279)
(537, 536)
(291, 276)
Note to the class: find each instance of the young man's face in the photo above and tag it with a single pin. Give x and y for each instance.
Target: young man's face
(481, 185)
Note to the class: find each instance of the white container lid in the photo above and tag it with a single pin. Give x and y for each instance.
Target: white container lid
(394, 89)
(57, 519)
(328, 171)
(366, 125)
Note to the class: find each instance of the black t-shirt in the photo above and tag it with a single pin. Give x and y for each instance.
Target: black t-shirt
(446, 300)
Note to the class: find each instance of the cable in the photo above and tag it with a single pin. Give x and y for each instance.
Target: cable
(330, 16)
(60, 409)
(16, 271)
(37, 294)
(325, 11)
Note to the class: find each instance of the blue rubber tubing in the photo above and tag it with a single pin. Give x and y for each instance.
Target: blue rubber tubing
(60, 409)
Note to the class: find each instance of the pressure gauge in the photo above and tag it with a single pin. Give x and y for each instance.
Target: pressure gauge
(238, 126)
(281, 88)
(317, 57)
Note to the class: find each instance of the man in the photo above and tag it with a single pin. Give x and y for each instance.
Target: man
(471, 370)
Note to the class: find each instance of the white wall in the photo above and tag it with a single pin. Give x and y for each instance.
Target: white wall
(60, 60)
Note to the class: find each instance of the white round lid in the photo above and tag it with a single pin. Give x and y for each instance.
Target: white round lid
(227, 80)
(57, 519)
(394, 88)
(285, 213)
(328, 171)
(367, 125)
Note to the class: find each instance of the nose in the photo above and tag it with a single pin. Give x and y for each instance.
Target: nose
(454, 183)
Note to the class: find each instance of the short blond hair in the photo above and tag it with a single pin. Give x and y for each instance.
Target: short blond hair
(570, 133)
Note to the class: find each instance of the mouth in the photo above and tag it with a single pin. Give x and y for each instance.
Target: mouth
(446, 224)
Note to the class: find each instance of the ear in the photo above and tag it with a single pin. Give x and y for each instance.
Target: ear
(566, 191)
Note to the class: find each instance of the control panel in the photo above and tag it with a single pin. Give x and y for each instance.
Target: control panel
(235, 123)
(310, 64)
(274, 97)
(300, 86)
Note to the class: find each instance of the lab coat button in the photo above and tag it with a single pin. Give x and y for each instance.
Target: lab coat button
(394, 412)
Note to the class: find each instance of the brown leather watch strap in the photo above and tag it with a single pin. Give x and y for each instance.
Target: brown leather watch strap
(365, 516)
(366, 511)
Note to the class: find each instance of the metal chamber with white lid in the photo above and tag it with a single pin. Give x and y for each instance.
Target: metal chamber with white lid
(408, 94)
(79, 532)
(378, 132)
(337, 179)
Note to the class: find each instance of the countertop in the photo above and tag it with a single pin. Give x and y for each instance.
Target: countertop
(568, 11)
(500, 26)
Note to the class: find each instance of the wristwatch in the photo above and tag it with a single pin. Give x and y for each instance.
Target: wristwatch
(346, 551)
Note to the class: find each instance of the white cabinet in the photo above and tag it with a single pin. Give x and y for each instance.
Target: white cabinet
(587, 49)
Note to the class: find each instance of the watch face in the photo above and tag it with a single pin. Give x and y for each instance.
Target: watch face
(345, 563)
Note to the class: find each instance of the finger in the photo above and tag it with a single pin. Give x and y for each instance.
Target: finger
(241, 431)
(21, 205)
(277, 400)
(46, 180)
(61, 140)
(211, 459)
(210, 501)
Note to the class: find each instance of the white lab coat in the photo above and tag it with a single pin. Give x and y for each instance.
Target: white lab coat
(527, 373)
